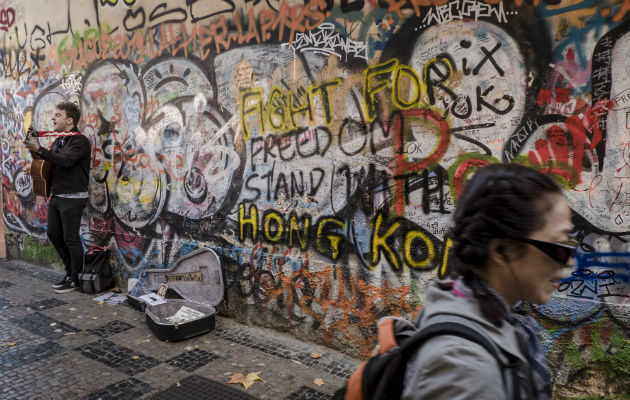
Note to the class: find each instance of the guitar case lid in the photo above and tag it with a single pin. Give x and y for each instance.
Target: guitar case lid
(196, 276)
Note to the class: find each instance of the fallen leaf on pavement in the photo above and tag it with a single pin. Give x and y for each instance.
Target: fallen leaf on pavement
(206, 341)
(297, 362)
(188, 348)
(10, 344)
(100, 303)
(318, 381)
(94, 317)
(69, 333)
(237, 378)
(57, 330)
(135, 357)
(72, 309)
(53, 324)
(245, 380)
(260, 365)
(316, 355)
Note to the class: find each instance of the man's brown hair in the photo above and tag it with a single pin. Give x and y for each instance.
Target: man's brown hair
(72, 111)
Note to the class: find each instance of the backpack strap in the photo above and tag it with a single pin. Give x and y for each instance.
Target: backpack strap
(448, 324)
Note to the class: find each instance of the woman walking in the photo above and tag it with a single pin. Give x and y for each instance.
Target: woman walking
(510, 238)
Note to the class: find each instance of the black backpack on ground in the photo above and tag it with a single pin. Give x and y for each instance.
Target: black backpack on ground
(97, 272)
(381, 377)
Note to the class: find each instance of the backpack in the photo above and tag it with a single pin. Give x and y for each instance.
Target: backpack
(97, 272)
(381, 377)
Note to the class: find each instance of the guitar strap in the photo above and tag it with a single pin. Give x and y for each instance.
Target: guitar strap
(57, 133)
(62, 134)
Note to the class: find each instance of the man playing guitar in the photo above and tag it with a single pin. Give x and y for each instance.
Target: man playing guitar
(70, 157)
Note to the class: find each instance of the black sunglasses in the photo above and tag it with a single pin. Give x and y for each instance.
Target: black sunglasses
(560, 252)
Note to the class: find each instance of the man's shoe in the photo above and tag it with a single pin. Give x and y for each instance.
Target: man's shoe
(61, 282)
(69, 286)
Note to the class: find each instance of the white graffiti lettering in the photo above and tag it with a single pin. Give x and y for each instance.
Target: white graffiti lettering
(326, 40)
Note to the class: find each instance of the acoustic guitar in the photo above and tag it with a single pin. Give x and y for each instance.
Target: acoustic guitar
(41, 170)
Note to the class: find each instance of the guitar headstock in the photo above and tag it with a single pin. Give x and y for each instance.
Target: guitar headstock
(31, 133)
(32, 137)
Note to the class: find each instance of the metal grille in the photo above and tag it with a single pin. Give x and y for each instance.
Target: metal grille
(199, 388)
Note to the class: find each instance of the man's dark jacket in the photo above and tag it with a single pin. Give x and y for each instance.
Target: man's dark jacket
(70, 157)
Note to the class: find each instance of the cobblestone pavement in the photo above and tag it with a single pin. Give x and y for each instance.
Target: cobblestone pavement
(66, 346)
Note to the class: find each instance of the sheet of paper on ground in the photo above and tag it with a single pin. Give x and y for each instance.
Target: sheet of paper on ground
(185, 314)
(111, 298)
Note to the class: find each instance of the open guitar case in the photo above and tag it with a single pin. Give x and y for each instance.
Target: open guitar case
(197, 279)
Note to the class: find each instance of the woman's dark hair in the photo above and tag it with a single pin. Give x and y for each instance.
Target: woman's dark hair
(72, 111)
(501, 201)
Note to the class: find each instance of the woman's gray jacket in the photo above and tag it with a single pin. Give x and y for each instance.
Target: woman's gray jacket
(453, 368)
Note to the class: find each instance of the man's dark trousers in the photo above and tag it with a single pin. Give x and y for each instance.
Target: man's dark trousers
(64, 222)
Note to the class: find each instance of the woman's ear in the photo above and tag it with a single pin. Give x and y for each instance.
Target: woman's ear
(498, 252)
(501, 251)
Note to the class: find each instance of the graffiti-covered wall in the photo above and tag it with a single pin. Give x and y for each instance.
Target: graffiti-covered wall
(319, 148)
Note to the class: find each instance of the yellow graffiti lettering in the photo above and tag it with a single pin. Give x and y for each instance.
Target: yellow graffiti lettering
(294, 227)
(414, 82)
(300, 109)
(410, 237)
(369, 91)
(276, 109)
(285, 110)
(247, 109)
(333, 239)
(380, 242)
(324, 94)
(269, 218)
(244, 221)
(447, 248)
